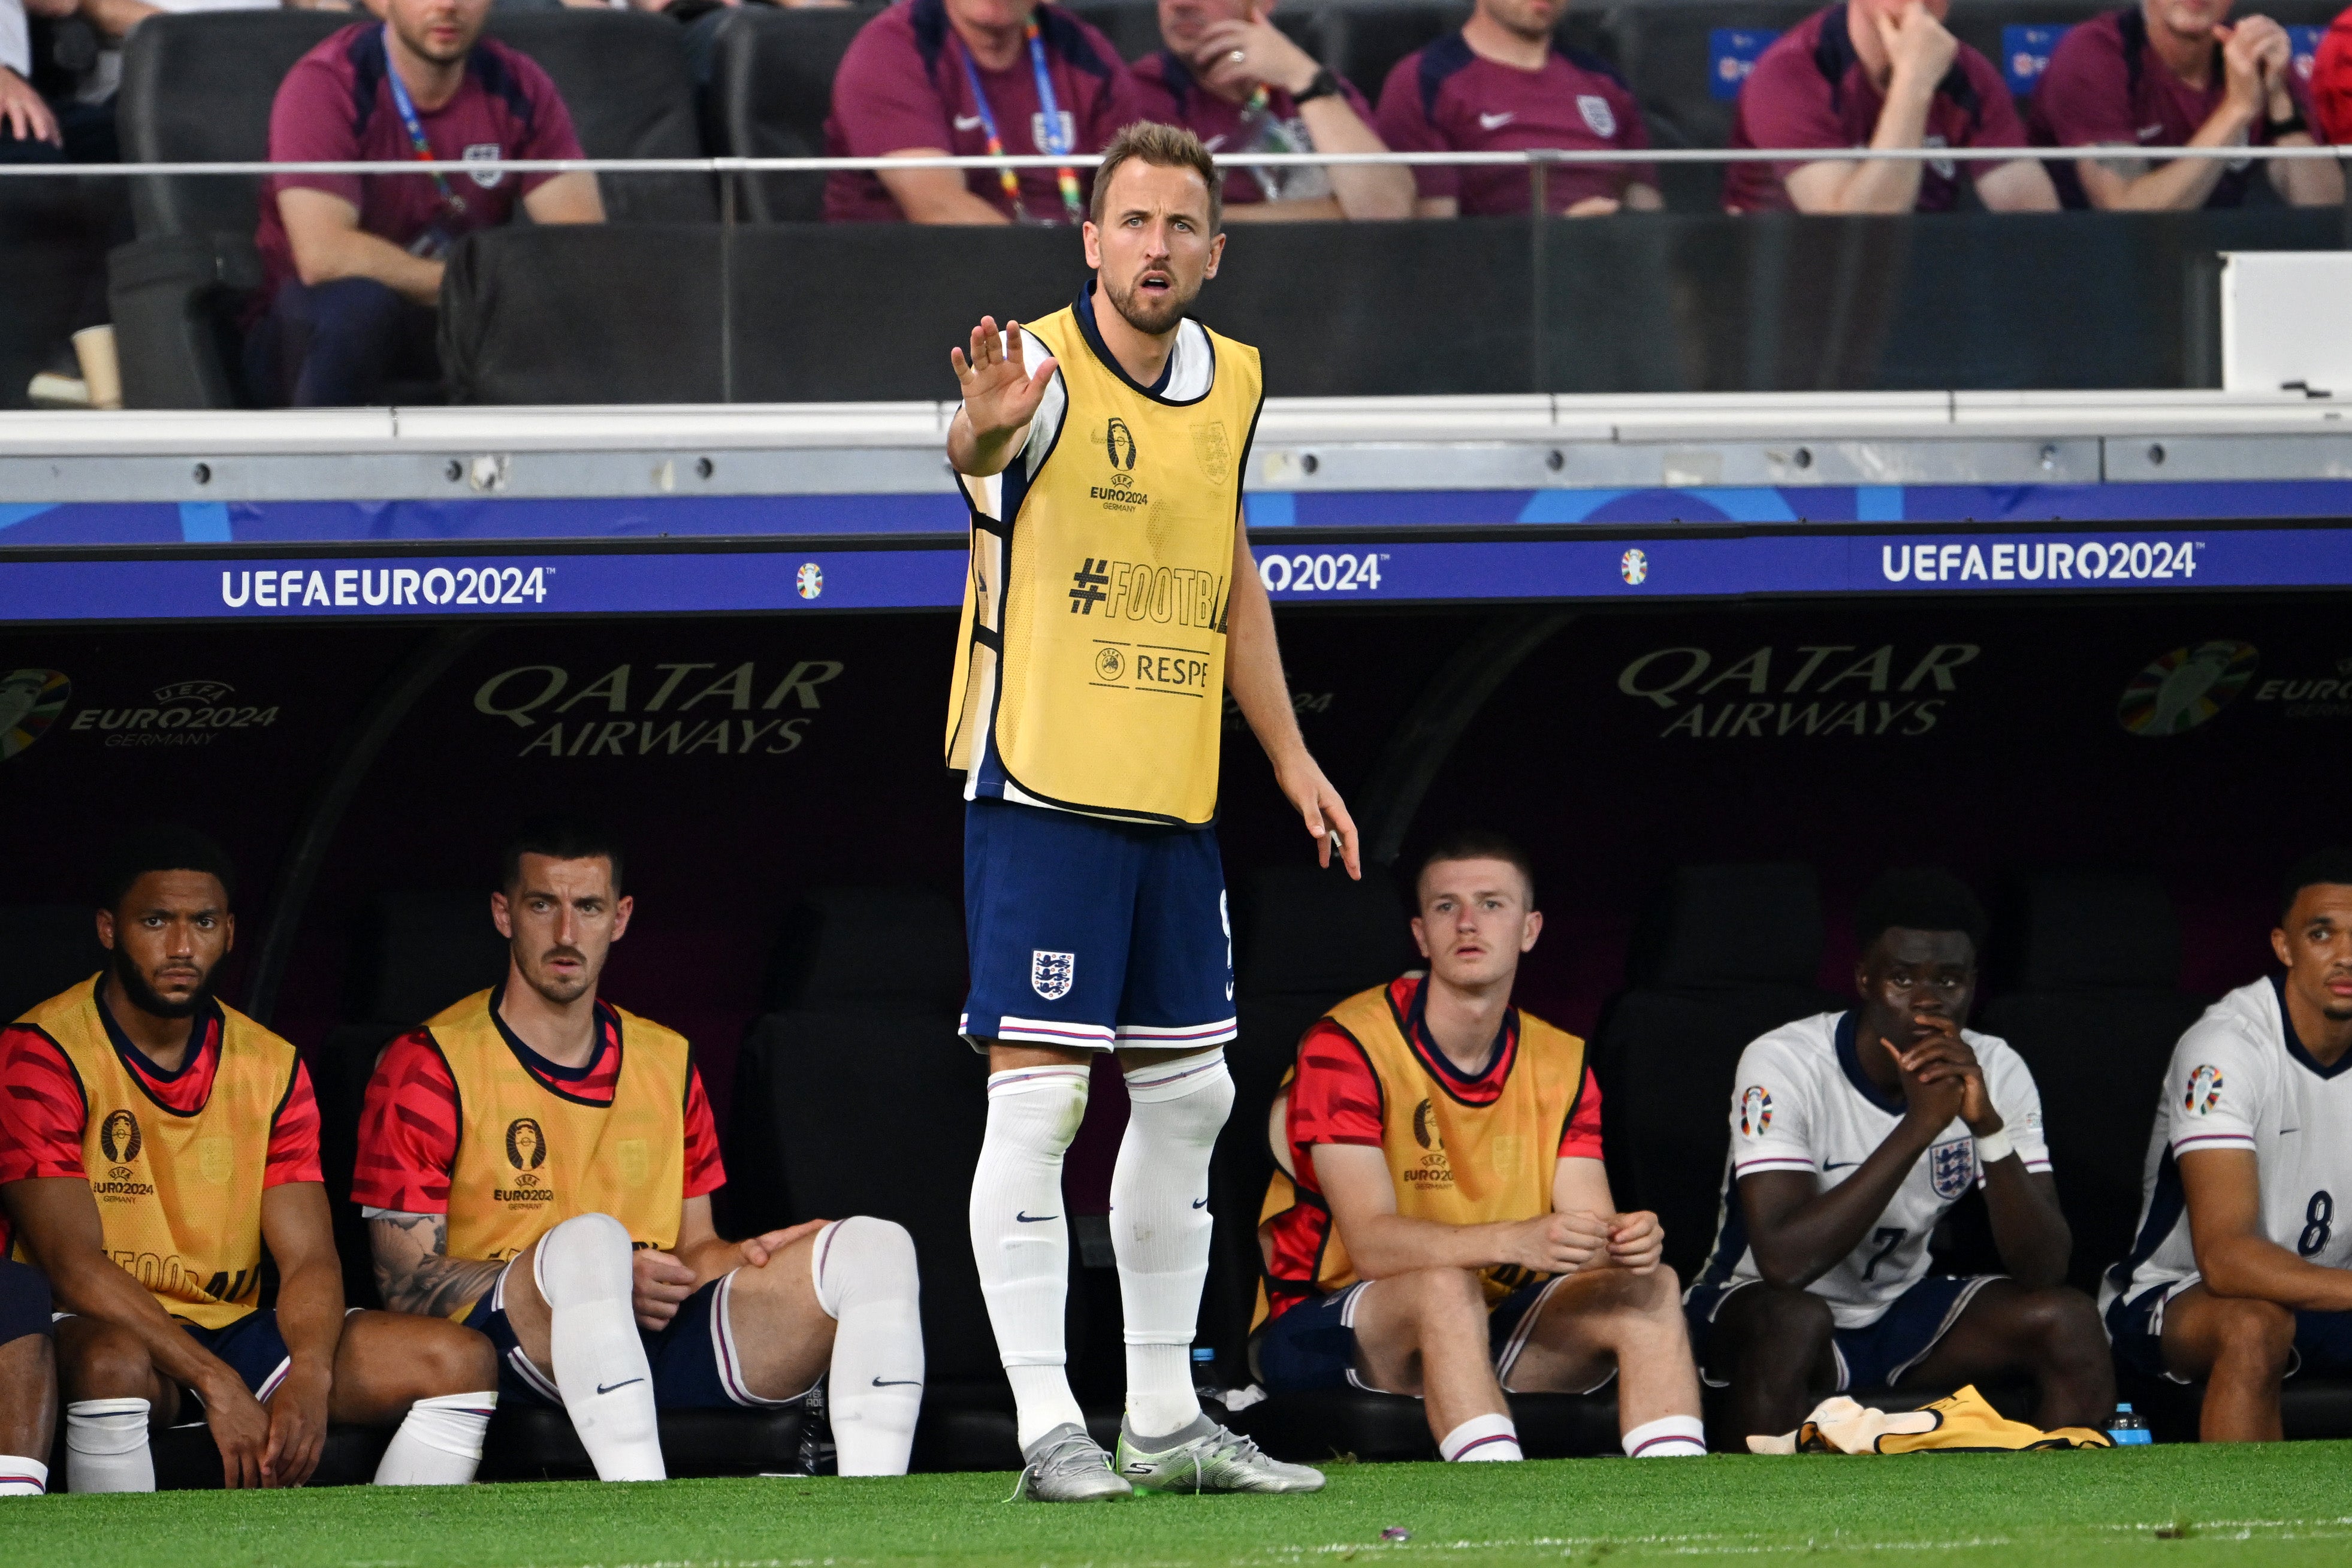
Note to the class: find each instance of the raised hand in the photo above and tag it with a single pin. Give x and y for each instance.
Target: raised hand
(1917, 45)
(1000, 395)
(2242, 66)
(1268, 58)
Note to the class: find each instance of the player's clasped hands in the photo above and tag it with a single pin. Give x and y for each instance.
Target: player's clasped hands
(1573, 1240)
(661, 1284)
(1941, 1076)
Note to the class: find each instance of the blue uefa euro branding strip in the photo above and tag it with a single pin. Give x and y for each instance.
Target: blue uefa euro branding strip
(2025, 54)
(1731, 54)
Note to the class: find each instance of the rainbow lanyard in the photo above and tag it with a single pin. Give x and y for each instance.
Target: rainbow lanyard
(1057, 144)
(407, 108)
(1257, 112)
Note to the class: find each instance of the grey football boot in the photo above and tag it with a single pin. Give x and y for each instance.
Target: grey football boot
(1067, 1466)
(1206, 1457)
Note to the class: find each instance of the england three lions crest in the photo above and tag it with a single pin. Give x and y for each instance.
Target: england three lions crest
(1952, 1166)
(1214, 450)
(1051, 974)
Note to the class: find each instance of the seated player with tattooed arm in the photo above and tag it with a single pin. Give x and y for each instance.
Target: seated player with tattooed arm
(2243, 1271)
(1851, 1134)
(1441, 1225)
(146, 1121)
(538, 1163)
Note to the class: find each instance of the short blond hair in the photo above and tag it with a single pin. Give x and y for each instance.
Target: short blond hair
(1163, 147)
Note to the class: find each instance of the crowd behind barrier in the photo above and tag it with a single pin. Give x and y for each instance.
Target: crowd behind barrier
(758, 81)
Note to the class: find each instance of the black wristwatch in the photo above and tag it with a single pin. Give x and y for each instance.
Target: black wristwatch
(2290, 125)
(1325, 84)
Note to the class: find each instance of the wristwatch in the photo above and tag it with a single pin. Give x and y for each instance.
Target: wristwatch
(2293, 122)
(1325, 84)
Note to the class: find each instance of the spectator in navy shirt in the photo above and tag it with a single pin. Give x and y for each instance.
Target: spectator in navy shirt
(352, 264)
(2168, 73)
(1236, 81)
(1502, 84)
(1878, 73)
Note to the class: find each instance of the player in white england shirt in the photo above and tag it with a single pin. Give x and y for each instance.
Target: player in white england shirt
(2242, 1273)
(1853, 1133)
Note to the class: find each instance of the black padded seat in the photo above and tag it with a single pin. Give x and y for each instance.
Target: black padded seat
(770, 89)
(1365, 41)
(2095, 1012)
(45, 948)
(532, 1442)
(854, 1095)
(1665, 56)
(1726, 954)
(1333, 1423)
(187, 1460)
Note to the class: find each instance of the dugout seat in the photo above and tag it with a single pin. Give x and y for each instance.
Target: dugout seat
(1724, 954)
(44, 949)
(854, 1095)
(770, 89)
(1667, 55)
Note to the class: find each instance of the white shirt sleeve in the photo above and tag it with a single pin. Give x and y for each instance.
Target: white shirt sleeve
(2019, 1100)
(1771, 1112)
(16, 41)
(2213, 1090)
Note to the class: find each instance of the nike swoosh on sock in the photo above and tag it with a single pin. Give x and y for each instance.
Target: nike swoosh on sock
(1027, 1218)
(608, 1387)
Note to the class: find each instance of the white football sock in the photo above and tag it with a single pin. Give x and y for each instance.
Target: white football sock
(21, 1477)
(866, 1281)
(584, 1272)
(1482, 1437)
(1668, 1437)
(106, 1445)
(1159, 1231)
(1021, 1237)
(439, 1442)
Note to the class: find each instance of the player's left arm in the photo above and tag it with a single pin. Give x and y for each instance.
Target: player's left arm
(2028, 1226)
(2019, 185)
(1580, 1185)
(299, 1227)
(1254, 675)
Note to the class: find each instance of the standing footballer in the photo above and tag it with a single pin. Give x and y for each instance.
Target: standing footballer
(1112, 602)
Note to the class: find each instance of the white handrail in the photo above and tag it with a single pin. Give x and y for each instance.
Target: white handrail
(1546, 157)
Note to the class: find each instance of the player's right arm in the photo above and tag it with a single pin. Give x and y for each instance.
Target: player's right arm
(408, 1146)
(1380, 1241)
(1798, 1229)
(1001, 395)
(58, 1221)
(2224, 1190)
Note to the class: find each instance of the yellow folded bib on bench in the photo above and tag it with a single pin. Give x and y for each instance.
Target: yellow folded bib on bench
(1963, 1423)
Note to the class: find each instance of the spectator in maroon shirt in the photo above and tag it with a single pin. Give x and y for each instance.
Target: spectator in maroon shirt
(1878, 73)
(933, 77)
(1502, 84)
(2168, 73)
(353, 263)
(1236, 81)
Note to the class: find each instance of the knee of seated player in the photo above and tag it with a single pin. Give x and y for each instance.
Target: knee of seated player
(583, 1260)
(1777, 1321)
(1441, 1298)
(2251, 1336)
(2062, 1321)
(863, 1255)
(100, 1361)
(441, 1357)
(388, 1361)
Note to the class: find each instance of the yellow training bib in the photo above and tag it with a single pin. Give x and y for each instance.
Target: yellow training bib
(530, 1156)
(1450, 1161)
(179, 1197)
(1092, 647)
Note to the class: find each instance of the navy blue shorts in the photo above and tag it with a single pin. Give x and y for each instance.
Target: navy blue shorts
(1876, 1355)
(694, 1363)
(1313, 1345)
(1093, 935)
(2323, 1341)
(252, 1346)
(25, 1304)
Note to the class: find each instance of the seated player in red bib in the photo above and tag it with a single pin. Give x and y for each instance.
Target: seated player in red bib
(152, 1142)
(538, 1163)
(28, 1382)
(1441, 1225)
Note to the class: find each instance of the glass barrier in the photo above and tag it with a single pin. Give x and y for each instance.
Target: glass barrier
(715, 280)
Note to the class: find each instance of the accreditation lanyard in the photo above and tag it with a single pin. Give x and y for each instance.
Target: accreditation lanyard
(1056, 144)
(415, 126)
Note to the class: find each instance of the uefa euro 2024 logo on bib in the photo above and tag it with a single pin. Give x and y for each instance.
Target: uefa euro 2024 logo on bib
(1051, 974)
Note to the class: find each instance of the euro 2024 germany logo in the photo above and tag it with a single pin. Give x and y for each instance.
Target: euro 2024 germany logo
(2180, 690)
(30, 701)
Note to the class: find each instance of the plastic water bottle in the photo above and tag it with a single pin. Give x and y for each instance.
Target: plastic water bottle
(1204, 1376)
(2128, 1429)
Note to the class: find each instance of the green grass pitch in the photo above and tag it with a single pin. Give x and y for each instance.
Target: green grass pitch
(2176, 1506)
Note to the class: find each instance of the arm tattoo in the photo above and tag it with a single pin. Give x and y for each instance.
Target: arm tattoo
(414, 1270)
